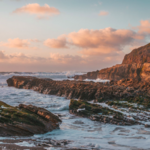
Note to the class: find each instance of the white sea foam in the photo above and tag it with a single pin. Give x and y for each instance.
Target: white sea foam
(24, 143)
(97, 80)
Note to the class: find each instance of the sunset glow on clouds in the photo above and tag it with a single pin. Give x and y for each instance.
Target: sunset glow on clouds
(18, 43)
(78, 39)
(36, 9)
(144, 28)
(97, 42)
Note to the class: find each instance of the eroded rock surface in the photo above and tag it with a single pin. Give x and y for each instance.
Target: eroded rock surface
(99, 113)
(124, 88)
(140, 55)
(115, 94)
(135, 65)
(118, 72)
(26, 120)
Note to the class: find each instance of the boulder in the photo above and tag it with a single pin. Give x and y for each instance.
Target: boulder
(26, 120)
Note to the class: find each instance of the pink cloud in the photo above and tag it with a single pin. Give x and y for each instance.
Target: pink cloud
(16, 43)
(103, 13)
(19, 43)
(55, 62)
(97, 42)
(144, 27)
(60, 42)
(2, 55)
(41, 11)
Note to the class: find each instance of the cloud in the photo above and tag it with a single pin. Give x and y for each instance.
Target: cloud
(144, 27)
(56, 62)
(97, 49)
(2, 55)
(60, 42)
(18, 43)
(35, 9)
(97, 42)
(103, 13)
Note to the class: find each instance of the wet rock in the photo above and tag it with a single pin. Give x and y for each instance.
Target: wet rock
(98, 113)
(26, 120)
(147, 125)
(125, 88)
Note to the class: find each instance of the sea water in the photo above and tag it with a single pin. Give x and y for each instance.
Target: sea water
(83, 132)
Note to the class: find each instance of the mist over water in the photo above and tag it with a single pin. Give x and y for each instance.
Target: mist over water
(83, 132)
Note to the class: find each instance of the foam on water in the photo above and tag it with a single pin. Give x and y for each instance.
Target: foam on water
(97, 80)
(83, 132)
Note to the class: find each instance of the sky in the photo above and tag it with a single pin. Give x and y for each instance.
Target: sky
(70, 35)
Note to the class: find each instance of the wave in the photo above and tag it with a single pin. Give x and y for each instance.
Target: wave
(97, 80)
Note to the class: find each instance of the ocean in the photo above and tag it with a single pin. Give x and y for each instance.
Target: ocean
(83, 133)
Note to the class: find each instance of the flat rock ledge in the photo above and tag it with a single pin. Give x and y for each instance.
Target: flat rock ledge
(96, 112)
(26, 120)
(124, 88)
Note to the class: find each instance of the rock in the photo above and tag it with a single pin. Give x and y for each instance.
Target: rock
(140, 55)
(147, 125)
(26, 120)
(98, 113)
(124, 88)
(116, 72)
(135, 65)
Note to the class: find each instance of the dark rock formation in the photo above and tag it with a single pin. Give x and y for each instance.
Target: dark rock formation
(124, 88)
(26, 120)
(112, 93)
(96, 112)
(139, 56)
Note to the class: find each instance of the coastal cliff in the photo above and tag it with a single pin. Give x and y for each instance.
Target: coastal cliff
(140, 55)
(118, 72)
(135, 65)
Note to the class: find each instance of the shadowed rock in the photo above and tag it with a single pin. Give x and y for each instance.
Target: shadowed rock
(124, 88)
(96, 112)
(26, 120)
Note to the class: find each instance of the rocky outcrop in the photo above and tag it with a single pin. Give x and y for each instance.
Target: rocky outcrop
(139, 56)
(26, 120)
(96, 112)
(90, 94)
(135, 65)
(118, 72)
(124, 88)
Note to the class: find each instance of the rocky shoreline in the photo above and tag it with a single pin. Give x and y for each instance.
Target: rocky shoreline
(117, 95)
(125, 88)
(37, 144)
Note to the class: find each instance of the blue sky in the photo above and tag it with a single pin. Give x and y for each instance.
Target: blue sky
(74, 15)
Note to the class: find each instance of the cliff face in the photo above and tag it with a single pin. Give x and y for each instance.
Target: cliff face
(135, 65)
(140, 55)
(119, 72)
